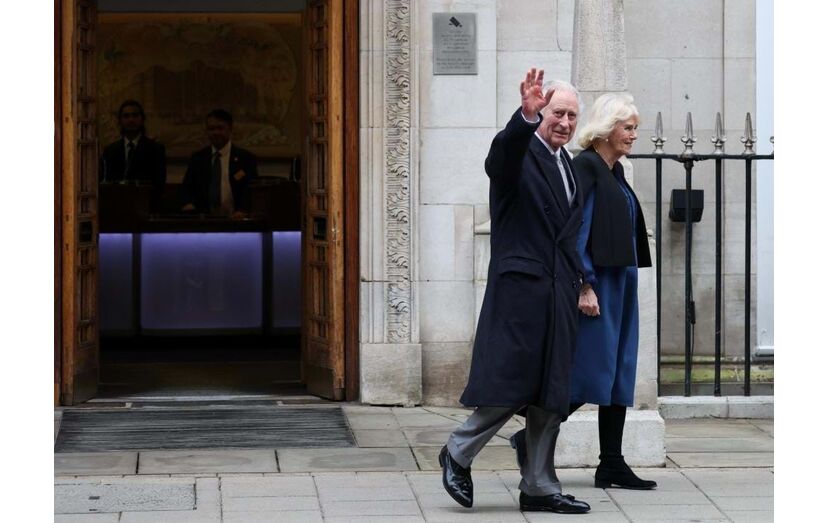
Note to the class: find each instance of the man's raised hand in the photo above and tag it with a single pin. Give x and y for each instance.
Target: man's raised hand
(532, 99)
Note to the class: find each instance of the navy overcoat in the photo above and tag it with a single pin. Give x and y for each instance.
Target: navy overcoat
(525, 336)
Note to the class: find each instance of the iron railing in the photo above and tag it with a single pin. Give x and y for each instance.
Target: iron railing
(689, 157)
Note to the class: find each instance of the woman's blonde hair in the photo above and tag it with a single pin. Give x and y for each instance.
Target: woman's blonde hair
(607, 110)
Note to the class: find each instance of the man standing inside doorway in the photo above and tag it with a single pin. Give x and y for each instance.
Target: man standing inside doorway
(135, 157)
(218, 177)
(526, 332)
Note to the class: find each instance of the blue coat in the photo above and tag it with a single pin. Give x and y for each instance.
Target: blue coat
(605, 361)
(526, 332)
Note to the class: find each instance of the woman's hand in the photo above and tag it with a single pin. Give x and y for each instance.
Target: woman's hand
(588, 301)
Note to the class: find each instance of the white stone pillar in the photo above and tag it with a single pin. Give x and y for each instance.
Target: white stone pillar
(599, 65)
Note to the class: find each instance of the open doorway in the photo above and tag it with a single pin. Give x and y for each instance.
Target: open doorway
(154, 301)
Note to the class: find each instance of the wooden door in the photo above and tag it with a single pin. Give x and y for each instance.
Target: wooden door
(78, 207)
(322, 228)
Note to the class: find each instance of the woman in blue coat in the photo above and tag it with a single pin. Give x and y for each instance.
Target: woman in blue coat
(612, 242)
(612, 245)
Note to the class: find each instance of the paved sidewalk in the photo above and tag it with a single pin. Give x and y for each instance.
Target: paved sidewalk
(717, 470)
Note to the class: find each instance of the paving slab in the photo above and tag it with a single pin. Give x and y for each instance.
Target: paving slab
(430, 437)
(627, 498)
(267, 486)
(368, 438)
(674, 513)
(591, 517)
(95, 463)
(764, 425)
(375, 519)
(271, 516)
(372, 421)
(365, 409)
(722, 459)
(743, 503)
(710, 428)
(427, 420)
(169, 517)
(270, 503)
(325, 480)
(346, 493)
(214, 461)
(86, 498)
(379, 459)
(370, 508)
(760, 444)
(87, 518)
(750, 516)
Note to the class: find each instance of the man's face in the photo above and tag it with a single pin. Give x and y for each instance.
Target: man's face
(559, 119)
(131, 120)
(218, 132)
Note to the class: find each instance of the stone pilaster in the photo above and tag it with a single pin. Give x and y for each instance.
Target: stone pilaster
(390, 357)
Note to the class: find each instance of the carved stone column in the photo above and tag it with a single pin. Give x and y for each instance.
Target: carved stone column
(390, 355)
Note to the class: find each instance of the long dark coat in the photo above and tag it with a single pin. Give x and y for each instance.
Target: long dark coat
(526, 332)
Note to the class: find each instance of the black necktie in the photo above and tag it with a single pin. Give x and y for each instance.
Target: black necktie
(215, 182)
(569, 179)
(129, 150)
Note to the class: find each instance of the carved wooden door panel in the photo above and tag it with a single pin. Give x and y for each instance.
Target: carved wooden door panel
(79, 205)
(322, 235)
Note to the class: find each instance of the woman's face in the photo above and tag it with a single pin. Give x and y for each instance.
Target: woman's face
(623, 136)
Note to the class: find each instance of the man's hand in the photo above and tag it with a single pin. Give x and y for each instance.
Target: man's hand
(188, 207)
(588, 302)
(532, 99)
(238, 215)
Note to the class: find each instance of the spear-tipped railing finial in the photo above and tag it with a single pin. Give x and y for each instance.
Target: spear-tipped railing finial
(688, 139)
(749, 139)
(719, 138)
(658, 139)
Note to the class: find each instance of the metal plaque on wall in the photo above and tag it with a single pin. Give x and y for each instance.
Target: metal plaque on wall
(455, 43)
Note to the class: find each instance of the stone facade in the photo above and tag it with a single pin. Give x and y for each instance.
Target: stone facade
(424, 212)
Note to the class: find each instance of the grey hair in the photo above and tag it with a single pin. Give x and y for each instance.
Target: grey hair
(607, 110)
(560, 85)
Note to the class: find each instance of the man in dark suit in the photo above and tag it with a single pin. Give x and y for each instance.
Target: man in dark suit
(218, 177)
(526, 331)
(134, 157)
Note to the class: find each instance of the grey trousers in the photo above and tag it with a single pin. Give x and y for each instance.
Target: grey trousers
(542, 428)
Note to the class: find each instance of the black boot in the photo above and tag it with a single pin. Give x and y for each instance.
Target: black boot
(613, 470)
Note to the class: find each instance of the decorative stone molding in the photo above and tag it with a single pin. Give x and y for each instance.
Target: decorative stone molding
(397, 172)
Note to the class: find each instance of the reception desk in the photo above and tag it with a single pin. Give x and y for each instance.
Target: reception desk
(197, 275)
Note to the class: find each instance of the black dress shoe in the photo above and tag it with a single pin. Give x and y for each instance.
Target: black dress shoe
(560, 503)
(456, 479)
(617, 473)
(518, 442)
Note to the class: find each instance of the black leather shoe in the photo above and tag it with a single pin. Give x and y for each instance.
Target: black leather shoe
(617, 473)
(456, 479)
(560, 503)
(518, 442)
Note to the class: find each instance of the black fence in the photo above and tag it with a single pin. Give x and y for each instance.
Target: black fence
(684, 202)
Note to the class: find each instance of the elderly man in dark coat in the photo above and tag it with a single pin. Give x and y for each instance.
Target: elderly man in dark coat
(526, 332)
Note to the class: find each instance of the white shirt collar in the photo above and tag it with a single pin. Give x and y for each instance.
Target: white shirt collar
(549, 148)
(134, 140)
(225, 151)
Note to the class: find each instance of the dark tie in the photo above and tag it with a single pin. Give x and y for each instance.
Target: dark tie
(215, 182)
(128, 166)
(570, 181)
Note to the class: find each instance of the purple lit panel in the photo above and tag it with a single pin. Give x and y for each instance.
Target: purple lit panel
(115, 283)
(287, 280)
(201, 281)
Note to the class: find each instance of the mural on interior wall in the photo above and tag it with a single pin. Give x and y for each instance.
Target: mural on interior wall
(181, 66)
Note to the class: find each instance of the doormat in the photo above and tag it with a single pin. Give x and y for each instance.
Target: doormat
(202, 428)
